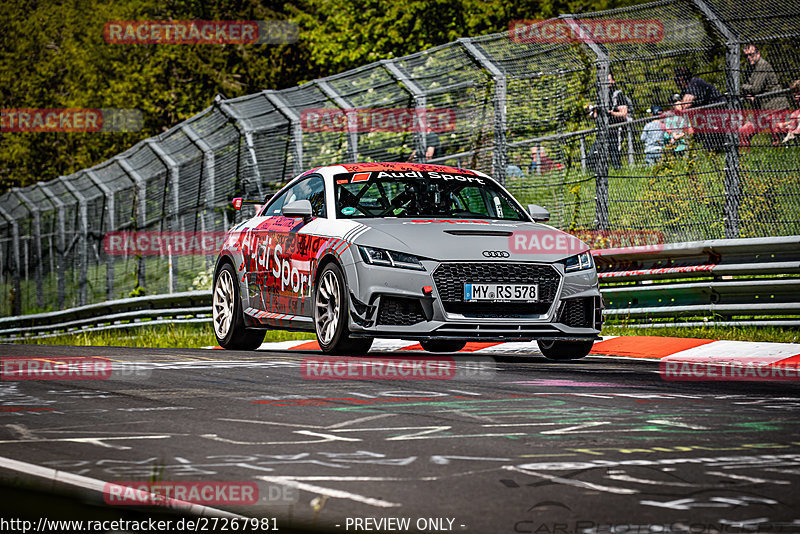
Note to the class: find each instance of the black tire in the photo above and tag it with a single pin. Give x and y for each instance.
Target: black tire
(442, 345)
(227, 303)
(564, 350)
(331, 312)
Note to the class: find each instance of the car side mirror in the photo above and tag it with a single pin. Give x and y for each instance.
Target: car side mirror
(538, 213)
(298, 208)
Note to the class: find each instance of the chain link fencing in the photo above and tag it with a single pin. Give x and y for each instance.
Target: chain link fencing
(517, 105)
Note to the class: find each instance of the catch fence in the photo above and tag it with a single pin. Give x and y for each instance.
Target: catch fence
(514, 104)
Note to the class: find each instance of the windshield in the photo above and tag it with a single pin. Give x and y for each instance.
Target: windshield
(422, 194)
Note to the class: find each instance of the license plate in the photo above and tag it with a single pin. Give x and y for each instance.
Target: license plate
(501, 292)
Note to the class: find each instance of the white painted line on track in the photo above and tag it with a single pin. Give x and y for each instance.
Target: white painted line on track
(337, 494)
(99, 486)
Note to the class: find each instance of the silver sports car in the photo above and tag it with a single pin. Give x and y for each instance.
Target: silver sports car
(431, 253)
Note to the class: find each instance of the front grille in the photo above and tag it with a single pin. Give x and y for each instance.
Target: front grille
(450, 278)
(577, 313)
(396, 311)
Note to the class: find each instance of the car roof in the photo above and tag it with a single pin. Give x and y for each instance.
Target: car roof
(393, 166)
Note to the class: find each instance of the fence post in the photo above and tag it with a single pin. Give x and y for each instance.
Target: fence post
(731, 184)
(420, 104)
(109, 227)
(38, 264)
(61, 243)
(141, 208)
(174, 188)
(500, 156)
(174, 182)
(245, 132)
(16, 307)
(352, 117)
(83, 250)
(603, 138)
(290, 114)
(210, 169)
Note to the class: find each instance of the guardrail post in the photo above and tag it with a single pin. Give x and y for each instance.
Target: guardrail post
(141, 208)
(61, 243)
(420, 104)
(245, 132)
(290, 114)
(603, 138)
(731, 184)
(16, 301)
(83, 250)
(109, 227)
(350, 113)
(500, 97)
(38, 264)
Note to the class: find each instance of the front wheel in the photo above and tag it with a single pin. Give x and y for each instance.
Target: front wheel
(439, 345)
(331, 310)
(226, 312)
(564, 350)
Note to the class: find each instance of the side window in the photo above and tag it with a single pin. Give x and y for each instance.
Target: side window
(311, 189)
(316, 195)
(274, 207)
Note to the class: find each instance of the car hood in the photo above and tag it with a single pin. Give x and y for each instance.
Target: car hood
(460, 239)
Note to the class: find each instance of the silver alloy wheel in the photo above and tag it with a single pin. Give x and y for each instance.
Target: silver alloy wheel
(223, 304)
(327, 307)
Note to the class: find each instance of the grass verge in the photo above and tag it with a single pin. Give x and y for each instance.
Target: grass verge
(184, 336)
(736, 333)
(200, 335)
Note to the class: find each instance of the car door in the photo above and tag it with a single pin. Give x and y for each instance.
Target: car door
(282, 273)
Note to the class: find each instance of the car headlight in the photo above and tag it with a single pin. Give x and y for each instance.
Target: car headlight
(390, 258)
(579, 262)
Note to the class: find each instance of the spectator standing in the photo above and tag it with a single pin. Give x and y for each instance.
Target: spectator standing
(698, 93)
(653, 137)
(433, 146)
(619, 109)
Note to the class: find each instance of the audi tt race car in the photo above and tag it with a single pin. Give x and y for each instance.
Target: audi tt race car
(422, 252)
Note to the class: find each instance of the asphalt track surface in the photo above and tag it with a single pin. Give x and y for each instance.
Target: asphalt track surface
(600, 445)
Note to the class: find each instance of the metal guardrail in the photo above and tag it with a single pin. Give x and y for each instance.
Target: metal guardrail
(186, 307)
(733, 282)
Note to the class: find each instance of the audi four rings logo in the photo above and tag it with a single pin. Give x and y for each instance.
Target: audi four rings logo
(495, 254)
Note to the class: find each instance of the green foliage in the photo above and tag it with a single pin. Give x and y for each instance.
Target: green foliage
(137, 291)
(53, 55)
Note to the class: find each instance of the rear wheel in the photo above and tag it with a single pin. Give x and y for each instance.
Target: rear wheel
(564, 350)
(440, 345)
(226, 311)
(331, 310)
